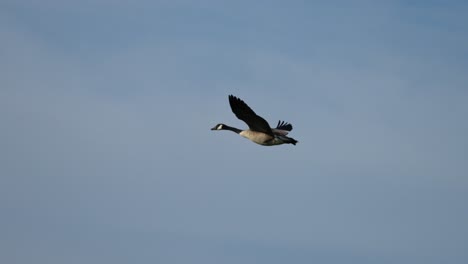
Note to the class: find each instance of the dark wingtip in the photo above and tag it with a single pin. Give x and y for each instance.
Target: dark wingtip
(233, 100)
(284, 125)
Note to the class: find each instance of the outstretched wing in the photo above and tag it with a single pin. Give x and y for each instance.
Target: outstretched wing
(246, 114)
(284, 126)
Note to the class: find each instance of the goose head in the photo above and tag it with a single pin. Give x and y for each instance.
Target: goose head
(219, 127)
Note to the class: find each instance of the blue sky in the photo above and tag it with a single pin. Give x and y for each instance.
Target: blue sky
(106, 153)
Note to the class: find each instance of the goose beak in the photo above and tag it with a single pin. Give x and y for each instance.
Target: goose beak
(213, 128)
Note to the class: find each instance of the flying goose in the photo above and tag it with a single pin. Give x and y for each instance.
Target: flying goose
(259, 130)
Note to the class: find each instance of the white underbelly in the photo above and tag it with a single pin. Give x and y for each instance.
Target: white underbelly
(257, 137)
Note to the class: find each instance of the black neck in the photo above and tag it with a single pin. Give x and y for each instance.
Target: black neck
(233, 129)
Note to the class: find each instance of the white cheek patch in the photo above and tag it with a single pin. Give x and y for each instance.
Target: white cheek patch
(220, 127)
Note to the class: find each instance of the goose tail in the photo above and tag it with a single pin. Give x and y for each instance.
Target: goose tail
(288, 140)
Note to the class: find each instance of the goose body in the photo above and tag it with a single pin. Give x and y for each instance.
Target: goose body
(259, 130)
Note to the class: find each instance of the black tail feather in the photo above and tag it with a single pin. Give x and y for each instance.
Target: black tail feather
(293, 141)
(288, 140)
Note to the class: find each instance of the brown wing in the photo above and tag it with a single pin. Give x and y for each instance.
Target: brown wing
(246, 114)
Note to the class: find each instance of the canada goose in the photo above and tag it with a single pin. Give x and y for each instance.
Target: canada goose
(259, 130)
